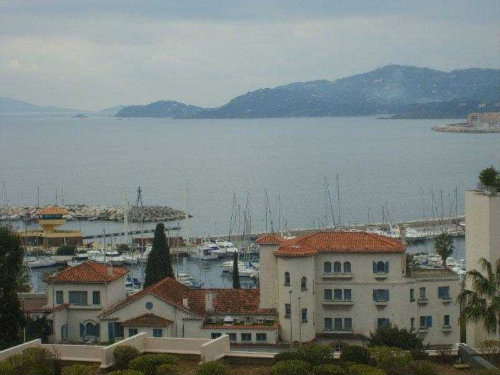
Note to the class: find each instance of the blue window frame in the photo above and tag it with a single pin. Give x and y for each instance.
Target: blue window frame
(59, 297)
(261, 337)
(347, 267)
(157, 332)
(337, 267)
(96, 297)
(327, 267)
(327, 294)
(337, 323)
(444, 292)
(328, 324)
(381, 295)
(426, 321)
(78, 298)
(232, 336)
(383, 322)
(246, 337)
(347, 294)
(347, 324)
(287, 278)
(337, 294)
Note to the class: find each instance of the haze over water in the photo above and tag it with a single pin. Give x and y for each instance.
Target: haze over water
(390, 163)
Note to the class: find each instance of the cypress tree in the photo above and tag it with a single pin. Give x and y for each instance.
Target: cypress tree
(159, 263)
(11, 262)
(236, 272)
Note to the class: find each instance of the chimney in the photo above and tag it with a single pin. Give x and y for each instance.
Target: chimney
(209, 301)
(110, 269)
(185, 302)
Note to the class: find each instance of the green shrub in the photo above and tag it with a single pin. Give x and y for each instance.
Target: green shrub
(15, 360)
(7, 368)
(148, 363)
(488, 372)
(126, 372)
(66, 250)
(395, 337)
(124, 354)
(316, 354)
(287, 356)
(212, 368)
(328, 370)
(36, 361)
(292, 367)
(79, 370)
(394, 361)
(167, 369)
(417, 354)
(446, 355)
(356, 354)
(423, 368)
(358, 369)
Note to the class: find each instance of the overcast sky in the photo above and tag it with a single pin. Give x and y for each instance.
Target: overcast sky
(97, 54)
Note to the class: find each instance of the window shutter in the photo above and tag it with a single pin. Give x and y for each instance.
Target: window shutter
(387, 267)
(82, 330)
(374, 267)
(98, 330)
(111, 331)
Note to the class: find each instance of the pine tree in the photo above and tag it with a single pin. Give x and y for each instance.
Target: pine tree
(236, 272)
(11, 262)
(159, 265)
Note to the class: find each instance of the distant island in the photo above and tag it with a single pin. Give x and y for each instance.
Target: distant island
(476, 123)
(394, 91)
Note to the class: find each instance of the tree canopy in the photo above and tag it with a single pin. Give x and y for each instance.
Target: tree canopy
(236, 272)
(489, 179)
(443, 244)
(11, 263)
(159, 264)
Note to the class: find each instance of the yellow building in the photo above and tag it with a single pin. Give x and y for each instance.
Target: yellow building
(48, 236)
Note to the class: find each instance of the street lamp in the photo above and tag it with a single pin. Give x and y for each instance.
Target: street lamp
(290, 317)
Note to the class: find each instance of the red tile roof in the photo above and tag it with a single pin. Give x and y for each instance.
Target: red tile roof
(262, 327)
(269, 239)
(225, 301)
(147, 320)
(338, 242)
(88, 272)
(53, 210)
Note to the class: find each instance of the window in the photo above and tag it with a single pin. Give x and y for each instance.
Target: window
(381, 295)
(261, 337)
(287, 278)
(149, 305)
(89, 330)
(347, 324)
(381, 267)
(132, 332)
(337, 323)
(337, 267)
(303, 283)
(327, 293)
(446, 320)
(347, 267)
(337, 294)
(327, 267)
(383, 322)
(78, 298)
(96, 297)
(444, 292)
(304, 315)
(59, 297)
(328, 324)
(246, 337)
(339, 347)
(412, 324)
(215, 335)
(426, 321)
(412, 295)
(158, 332)
(422, 293)
(347, 294)
(232, 336)
(288, 311)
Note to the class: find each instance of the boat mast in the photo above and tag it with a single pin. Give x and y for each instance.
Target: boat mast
(125, 216)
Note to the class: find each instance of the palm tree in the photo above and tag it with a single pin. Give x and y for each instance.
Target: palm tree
(444, 246)
(482, 304)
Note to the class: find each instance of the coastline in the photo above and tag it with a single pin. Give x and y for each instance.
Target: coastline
(465, 127)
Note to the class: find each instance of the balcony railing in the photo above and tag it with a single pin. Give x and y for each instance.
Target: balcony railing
(422, 301)
(380, 275)
(337, 275)
(338, 302)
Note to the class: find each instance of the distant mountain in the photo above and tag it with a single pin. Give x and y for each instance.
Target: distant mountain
(110, 112)
(160, 109)
(10, 105)
(406, 91)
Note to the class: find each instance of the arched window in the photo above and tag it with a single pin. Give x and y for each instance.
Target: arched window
(337, 267)
(89, 329)
(287, 278)
(327, 267)
(303, 283)
(380, 267)
(347, 267)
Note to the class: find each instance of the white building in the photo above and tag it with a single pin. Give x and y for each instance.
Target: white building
(339, 285)
(482, 240)
(332, 286)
